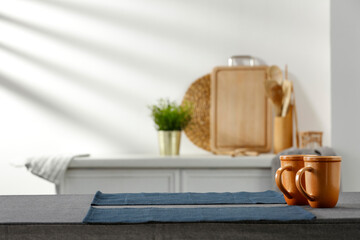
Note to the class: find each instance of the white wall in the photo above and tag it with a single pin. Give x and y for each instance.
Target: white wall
(76, 76)
(345, 87)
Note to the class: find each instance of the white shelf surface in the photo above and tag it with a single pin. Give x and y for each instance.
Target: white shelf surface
(182, 161)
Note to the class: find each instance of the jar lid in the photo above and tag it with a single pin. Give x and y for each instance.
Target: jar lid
(322, 158)
(294, 157)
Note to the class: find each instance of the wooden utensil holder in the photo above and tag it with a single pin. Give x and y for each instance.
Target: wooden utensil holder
(283, 131)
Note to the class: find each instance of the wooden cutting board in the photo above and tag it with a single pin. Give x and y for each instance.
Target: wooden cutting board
(240, 115)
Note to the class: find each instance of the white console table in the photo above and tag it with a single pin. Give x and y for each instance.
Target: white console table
(151, 173)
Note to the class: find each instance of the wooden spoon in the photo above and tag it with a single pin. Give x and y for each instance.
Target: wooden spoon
(275, 92)
(296, 119)
(287, 86)
(275, 73)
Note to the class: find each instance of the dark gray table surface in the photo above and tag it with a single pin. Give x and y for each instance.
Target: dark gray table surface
(46, 217)
(70, 209)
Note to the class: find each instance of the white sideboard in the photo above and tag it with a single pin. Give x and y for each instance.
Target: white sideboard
(151, 173)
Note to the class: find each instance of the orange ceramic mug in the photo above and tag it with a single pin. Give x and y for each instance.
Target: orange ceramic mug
(322, 180)
(285, 179)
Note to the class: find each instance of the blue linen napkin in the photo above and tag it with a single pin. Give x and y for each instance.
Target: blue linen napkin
(203, 214)
(267, 197)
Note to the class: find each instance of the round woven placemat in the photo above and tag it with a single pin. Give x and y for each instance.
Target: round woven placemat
(198, 129)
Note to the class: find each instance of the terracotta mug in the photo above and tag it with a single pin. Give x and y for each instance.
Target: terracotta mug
(285, 179)
(322, 180)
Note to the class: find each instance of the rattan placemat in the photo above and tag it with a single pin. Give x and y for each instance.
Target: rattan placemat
(198, 130)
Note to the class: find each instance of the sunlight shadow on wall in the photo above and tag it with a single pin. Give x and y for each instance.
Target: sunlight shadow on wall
(96, 85)
(122, 58)
(184, 34)
(77, 117)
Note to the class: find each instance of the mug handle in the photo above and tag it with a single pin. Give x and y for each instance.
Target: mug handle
(298, 184)
(278, 180)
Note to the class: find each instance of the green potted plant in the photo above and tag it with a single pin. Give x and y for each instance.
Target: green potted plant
(170, 118)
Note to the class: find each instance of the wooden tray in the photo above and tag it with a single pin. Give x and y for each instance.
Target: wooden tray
(240, 116)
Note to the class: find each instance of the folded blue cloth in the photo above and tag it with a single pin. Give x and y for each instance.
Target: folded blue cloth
(207, 214)
(105, 199)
